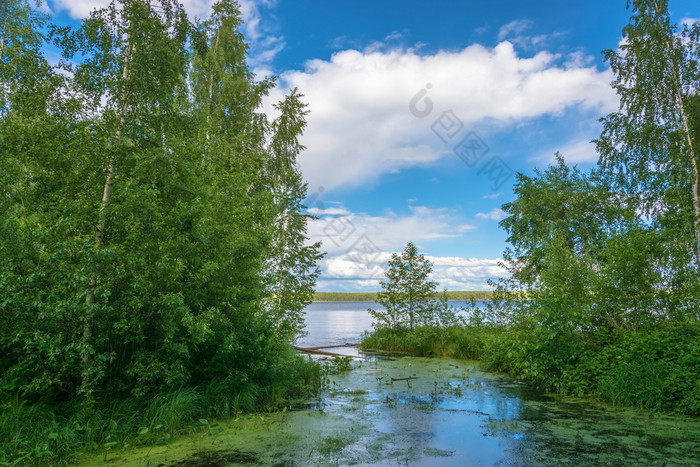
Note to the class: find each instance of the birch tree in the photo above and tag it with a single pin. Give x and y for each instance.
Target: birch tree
(292, 263)
(648, 147)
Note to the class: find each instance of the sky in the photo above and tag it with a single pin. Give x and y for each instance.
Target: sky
(421, 113)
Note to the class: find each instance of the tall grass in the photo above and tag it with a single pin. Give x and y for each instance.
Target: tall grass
(40, 434)
(465, 342)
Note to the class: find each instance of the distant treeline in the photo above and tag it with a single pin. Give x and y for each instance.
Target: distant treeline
(370, 296)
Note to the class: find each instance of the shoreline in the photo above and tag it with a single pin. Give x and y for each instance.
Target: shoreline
(329, 297)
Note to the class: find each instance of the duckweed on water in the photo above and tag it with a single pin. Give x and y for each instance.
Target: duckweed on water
(449, 413)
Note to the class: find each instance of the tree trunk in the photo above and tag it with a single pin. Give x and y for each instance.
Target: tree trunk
(99, 229)
(211, 82)
(2, 38)
(281, 271)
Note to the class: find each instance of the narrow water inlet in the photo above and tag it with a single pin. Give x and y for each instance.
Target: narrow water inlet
(432, 412)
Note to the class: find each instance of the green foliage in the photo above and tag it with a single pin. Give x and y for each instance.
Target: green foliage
(292, 262)
(54, 434)
(339, 365)
(656, 370)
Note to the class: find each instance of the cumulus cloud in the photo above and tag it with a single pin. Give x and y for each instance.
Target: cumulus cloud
(360, 125)
(456, 273)
(341, 231)
(328, 211)
(496, 214)
(358, 247)
(573, 152)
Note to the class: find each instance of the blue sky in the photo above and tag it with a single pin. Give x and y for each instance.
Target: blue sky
(507, 83)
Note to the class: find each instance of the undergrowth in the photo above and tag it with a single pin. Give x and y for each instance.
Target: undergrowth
(35, 433)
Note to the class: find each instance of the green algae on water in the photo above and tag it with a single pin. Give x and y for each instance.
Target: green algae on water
(432, 411)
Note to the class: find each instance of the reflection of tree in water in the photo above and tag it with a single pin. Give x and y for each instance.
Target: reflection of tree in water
(449, 415)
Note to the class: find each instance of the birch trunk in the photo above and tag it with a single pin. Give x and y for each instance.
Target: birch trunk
(2, 37)
(99, 228)
(211, 82)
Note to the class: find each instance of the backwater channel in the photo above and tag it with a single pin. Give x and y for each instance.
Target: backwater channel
(450, 412)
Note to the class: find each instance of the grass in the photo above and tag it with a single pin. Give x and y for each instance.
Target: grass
(59, 433)
(464, 342)
(370, 296)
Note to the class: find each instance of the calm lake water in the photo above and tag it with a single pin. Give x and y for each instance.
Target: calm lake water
(333, 323)
(426, 412)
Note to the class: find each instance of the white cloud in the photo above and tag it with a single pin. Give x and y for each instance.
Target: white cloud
(328, 212)
(496, 214)
(514, 32)
(689, 21)
(358, 247)
(346, 268)
(78, 9)
(394, 36)
(465, 228)
(573, 152)
(341, 233)
(452, 273)
(456, 273)
(514, 28)
(360, 126)
(492, 196)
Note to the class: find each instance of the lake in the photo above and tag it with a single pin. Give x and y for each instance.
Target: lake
(427, 412)
(333, 323)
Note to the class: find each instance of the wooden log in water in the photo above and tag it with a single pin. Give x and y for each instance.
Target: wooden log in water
(330, 346)
(320, 352)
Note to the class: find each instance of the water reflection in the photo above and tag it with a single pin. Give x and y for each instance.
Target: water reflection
(333, 323)
(453, 413)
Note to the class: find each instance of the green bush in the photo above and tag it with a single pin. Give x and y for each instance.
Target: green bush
(657, 370)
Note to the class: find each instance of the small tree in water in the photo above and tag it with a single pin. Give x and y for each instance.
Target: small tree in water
(408, 293)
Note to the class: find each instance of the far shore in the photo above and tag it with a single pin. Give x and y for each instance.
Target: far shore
(370, 296)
